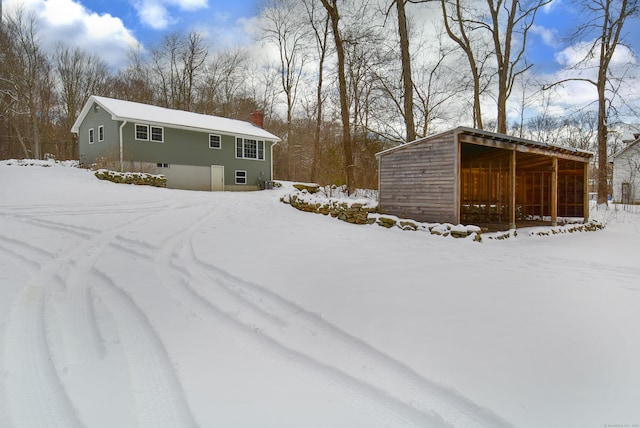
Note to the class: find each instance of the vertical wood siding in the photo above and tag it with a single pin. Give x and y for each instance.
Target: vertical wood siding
(420, 181)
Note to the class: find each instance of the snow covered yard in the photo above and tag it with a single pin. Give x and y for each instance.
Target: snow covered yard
(126, 306)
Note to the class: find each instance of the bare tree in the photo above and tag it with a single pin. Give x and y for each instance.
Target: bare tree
(80, 75)
(285, 29)
(606, 20)
(506, 23)
(320, 25)
(27, 70)
(176, 64)
(407, 80)
(461, 30)
(223, 82)
(334, 15)
(134, 83)
(510, 23)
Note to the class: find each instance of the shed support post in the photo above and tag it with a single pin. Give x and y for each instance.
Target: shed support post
(512, 190)
(585, 192)
(554, 192)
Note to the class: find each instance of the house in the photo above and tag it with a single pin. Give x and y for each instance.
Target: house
(626, 173)
(477, 177)
(194, 151)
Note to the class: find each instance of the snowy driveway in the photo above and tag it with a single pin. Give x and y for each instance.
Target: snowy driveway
(138, 307)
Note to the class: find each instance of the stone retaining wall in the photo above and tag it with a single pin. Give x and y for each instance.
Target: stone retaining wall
(355, 213)
(140, 178)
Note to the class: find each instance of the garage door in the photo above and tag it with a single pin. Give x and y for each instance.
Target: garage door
(188, 177)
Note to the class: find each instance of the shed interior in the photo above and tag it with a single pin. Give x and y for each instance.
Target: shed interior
(485, 197)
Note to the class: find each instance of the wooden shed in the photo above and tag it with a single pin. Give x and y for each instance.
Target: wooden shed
(471, 176)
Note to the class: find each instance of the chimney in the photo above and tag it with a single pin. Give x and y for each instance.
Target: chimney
(257, 118)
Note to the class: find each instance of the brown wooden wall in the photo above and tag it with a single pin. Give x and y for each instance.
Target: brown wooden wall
(420, 181)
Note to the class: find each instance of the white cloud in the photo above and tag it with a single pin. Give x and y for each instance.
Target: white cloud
(585, 55)
(156, 14)
(551, 6)
(580, 61)
(69, 22)
(548, 35)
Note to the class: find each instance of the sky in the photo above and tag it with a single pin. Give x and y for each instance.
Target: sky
(110, 27)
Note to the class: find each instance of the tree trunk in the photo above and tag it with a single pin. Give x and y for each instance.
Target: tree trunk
(407, 80)
(603, 170)
(349, 165)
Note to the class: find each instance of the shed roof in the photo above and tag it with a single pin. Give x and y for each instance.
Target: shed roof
(132, 111)
(482, 137)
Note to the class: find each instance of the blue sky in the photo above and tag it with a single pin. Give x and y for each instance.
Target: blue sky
(150, 19)
(110, 27)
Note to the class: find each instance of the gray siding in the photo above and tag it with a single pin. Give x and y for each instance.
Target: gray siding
(109, 148)
(420, 181)
(180, 147)
(183, 147)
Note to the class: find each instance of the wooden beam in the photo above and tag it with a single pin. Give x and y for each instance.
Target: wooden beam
(554, 193)
(459, 183)
(522, 148)
(512, 190)
(585, 195)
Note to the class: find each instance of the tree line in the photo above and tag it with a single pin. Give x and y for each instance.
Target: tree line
(338, 80)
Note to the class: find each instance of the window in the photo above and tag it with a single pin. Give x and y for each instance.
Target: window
(163, 165)
(101, 133)
(91, 136)
(214, 142)
(142, 132)
(241, 177)
(157, 134)
(249, 149)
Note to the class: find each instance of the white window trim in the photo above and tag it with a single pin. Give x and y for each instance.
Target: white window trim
(219, 141)
(258, 144)
(135, 132)
(236, 176)
(100, 133)
(151, 128)
(92, 135)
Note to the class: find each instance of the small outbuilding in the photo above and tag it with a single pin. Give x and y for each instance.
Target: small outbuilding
(471, 176)
(626, 173)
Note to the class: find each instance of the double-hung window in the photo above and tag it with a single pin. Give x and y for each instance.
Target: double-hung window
(142, 132)
(157, 134)
(149, 133)
(214, 141)
(101, 133)
(91, 135)
(247, 148)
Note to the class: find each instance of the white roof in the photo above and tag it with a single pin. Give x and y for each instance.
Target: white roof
(137, 112)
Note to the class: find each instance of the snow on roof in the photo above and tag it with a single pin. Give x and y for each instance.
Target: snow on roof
(132, 111)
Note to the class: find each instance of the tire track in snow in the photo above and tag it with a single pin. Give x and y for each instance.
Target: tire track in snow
(158, 395)
(286, 329)
(350, 355)
(81, 231)
(373, 400)
(26, 252)
(36, 397)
